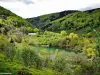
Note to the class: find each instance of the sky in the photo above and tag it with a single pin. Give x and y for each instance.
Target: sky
(34, 8)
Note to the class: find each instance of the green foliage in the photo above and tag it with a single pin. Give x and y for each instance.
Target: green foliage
(81, 55)
(36, 30)
(11, 51)
(78, 70)
(30, 29)
(4, 42)
(10, 21)
(60, 63)
(30, 58)
(80, 21)
(89, 35)
(44, 20)
(63, 33)
(88, 29)
(91, 52)
(97, 41)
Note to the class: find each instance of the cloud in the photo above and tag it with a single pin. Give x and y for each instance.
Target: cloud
(24, 1)
(28, 1)
(93, 6)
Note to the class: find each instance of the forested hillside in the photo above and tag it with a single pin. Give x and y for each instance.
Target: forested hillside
(10, 21)
(41, 21)
(72, 21)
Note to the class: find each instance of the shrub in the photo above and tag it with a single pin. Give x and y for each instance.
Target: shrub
(3, 42)
(63, 33)
(11, 51)
(60, 62)
(88, 29)
(31, 58)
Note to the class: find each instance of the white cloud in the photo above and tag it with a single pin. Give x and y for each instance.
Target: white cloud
(24, 1)
(46, 6)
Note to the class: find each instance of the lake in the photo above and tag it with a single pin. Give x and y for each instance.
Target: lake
(51, 49)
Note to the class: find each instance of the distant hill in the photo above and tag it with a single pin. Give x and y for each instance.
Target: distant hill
(9, 20)
(43, 20)
(68, 21)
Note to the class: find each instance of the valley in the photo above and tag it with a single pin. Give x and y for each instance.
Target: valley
(63, 43)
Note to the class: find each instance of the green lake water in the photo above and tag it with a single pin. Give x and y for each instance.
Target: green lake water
(51, 49)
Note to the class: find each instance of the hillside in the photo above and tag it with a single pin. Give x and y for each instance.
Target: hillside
(41, 21)
(72, 21)
(10, 21)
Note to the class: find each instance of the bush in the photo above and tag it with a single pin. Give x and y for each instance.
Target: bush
(11, 51)
(3, 42)
(89, 35)
(31, 58)
(63, 33)
(60, 62)
(88, 29)
(36, 30)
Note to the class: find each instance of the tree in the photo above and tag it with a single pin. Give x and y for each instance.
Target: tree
(73, 36)
(30, 29)
(91, 52)
(63, 33)
(36, 30)
(73, 39)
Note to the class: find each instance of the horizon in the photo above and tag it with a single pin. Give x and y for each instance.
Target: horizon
(35, 8)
